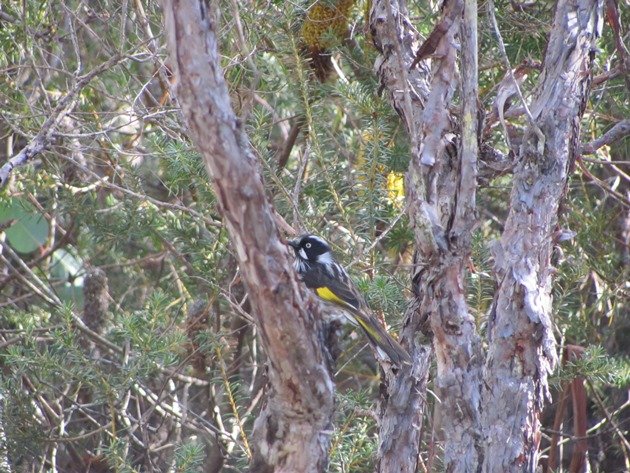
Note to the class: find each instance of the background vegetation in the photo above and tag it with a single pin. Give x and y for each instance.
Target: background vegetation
(125, 338)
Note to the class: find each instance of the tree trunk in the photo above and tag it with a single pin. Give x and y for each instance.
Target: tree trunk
(403, 404)
(404, 398)
(491, 424)
(522, 349)
(293, 430)
(440, 188)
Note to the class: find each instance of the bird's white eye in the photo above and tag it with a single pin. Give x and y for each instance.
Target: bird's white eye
(308, 245)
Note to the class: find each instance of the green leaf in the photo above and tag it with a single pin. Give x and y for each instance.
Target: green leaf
(66, 267)
(30, 229)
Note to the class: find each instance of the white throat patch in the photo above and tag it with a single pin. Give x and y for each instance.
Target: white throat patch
(303, 254)
(300, 265)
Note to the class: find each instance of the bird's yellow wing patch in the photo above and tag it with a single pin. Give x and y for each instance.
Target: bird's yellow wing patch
(330, 296)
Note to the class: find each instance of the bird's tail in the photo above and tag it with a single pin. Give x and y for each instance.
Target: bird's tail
(382, 340)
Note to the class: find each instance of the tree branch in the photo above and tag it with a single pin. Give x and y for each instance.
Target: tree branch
(440, 191)
(616, 133)
(613, 17)
(466, 193)
(44, 137)
(404, 401)
(396, 39)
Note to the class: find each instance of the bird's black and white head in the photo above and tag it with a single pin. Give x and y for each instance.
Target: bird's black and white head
(310, 249)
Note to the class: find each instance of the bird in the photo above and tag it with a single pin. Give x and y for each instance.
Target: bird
(317, 268)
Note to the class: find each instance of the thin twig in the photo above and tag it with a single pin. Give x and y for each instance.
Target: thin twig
(104, 181)
(44, 137)
(618, 430)
(297, 189)
(506, 61)
(383, 234)
(602, 185)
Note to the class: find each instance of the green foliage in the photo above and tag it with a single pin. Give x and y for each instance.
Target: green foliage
(27, 230)
(383, 294)
(481, 282)
(123, 189)
(181, 166)
(354, 444)
(65, 272)
(596, 366)
(189, 457)
(115, 455)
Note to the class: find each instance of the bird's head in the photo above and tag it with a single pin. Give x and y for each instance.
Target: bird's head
(311, 249)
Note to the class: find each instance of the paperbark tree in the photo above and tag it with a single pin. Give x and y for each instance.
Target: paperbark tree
(522, 349)
(489, 409)
(440, 190)
(128, 337)
(441, 187)
(293, 430)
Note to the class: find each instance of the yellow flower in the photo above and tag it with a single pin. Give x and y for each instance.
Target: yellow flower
(396, 188)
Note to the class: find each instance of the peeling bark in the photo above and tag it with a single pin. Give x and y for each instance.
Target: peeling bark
(404, 397)
(489, 414)
(403, 404)
(440, 188)
(522, 350)
(292, 432)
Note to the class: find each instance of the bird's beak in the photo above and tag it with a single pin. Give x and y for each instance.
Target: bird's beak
(295, 244)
